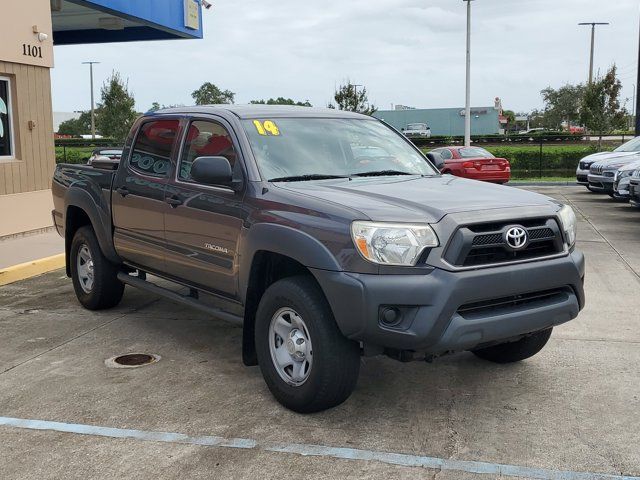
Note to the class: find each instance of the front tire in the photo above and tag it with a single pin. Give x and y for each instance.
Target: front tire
(95, 279)
(516, 351)
(305, 360)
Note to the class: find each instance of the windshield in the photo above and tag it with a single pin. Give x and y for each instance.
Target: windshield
(474, 152)
(631, 146)
(323, 147)
(417, 126)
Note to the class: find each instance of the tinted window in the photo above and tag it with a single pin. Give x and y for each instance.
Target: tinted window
(445, 153)
(6, 147)
(205, 139)
(151, 152)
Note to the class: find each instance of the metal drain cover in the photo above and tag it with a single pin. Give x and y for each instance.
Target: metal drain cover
(132, 360)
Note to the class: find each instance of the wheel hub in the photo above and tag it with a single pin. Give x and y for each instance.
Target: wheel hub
(290, 346)
(297, 345)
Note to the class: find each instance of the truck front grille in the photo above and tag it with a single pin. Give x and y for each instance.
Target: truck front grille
(521, 301)
(485, 244)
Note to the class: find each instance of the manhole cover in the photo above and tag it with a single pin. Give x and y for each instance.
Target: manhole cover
(131, 360)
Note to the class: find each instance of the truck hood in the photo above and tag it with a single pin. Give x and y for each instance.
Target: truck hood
(606, 156)
(416, 199)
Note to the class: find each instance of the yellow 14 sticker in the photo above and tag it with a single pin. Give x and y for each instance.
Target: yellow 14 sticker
(268, 127)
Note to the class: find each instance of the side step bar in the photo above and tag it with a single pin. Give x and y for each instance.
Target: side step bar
(178, 298)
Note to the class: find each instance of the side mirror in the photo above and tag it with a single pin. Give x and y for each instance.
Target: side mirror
(436, 159)
(212, 171)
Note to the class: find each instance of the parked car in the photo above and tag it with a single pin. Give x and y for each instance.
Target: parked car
(475, 163)
(622, 178)
(532, 131)
(105, 153)
(264, 217)
(602, 173)
(634, 189)
(417, 130)
(631, 147)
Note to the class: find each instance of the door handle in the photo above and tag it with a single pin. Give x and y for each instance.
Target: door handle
(124, 191)
(173, 201)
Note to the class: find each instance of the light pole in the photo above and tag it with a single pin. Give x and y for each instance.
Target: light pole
(593, 36)
(93, 113)
(637, 102)
(467, 101)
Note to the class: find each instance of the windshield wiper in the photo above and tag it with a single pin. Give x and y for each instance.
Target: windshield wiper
(381, 173)
(304, 178)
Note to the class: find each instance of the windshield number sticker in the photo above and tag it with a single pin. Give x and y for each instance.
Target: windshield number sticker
(267, 127)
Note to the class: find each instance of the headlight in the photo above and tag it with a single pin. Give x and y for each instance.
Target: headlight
(620, 174)
(392, 243)
(569, 224)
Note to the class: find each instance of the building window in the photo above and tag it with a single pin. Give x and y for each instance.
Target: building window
(6, 130)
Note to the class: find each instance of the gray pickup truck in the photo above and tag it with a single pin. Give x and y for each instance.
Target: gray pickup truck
(326, 235)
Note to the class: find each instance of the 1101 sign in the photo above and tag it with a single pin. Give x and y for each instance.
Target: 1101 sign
(31, 51)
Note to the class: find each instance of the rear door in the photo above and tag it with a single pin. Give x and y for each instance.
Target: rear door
(138, 198)
(203, 226)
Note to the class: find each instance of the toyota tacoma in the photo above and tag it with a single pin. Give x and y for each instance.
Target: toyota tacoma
(326, 235)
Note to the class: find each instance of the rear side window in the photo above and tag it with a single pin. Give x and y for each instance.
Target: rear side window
(151, 153)
(445, 153)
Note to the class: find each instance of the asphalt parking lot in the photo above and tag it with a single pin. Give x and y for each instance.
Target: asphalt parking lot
(571, 412)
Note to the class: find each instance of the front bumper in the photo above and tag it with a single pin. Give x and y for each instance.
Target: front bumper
(600, 183)
(634, 192)
(582, 177)
(432, 319)
(621, 188)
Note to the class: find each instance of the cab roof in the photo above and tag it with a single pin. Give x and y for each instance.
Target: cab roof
(262, 111)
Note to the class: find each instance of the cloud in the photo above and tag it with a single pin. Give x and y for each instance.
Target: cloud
(405, 51)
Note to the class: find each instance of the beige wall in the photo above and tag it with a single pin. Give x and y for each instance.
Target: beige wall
(34, 161)
(25, 179)
(24, 212)
(17, 19)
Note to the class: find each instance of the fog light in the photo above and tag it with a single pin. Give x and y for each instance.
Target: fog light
(390, 316)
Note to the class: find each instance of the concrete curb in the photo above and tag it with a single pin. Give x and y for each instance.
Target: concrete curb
(31, 269)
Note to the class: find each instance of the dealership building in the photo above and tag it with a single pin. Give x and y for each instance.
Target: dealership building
(448, 121)
(30, 29)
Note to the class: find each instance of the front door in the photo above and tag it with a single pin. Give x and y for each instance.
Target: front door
(203, 226)
(138, 197)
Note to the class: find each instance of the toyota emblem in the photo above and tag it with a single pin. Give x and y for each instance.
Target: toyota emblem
(516, 238)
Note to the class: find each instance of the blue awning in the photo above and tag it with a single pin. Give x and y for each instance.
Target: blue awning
(104, 21)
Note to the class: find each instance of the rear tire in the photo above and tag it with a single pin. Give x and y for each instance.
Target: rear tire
(305, 360)
(95, 279)
(516, 351)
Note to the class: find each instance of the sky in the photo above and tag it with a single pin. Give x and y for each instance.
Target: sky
(409, 52)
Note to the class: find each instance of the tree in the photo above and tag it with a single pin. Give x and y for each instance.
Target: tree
(155, 106)
(209, 94)
(115, 114)
(511, 119)
(76, 126)
(601, 111)
(350, 97)
(561, 105)
(281, 101)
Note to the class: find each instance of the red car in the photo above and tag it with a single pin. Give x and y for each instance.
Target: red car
(475, 163)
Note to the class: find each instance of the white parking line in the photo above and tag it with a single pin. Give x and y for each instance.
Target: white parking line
(314, 450)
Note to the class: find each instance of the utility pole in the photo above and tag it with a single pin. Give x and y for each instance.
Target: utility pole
(467, 101)
(93, 112)
(593, 36)
(355, 93)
